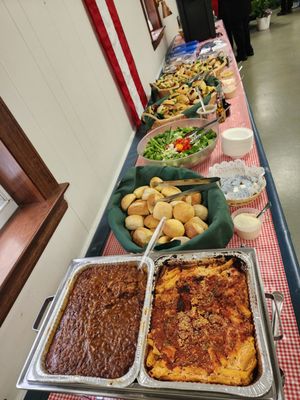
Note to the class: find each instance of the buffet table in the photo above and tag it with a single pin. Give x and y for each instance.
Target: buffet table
(274, 249)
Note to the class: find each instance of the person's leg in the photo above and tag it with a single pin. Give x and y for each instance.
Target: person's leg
(248, 46)
(239, 38)
(289, 6)
(228, 31)
(225, 15)
(283, 7)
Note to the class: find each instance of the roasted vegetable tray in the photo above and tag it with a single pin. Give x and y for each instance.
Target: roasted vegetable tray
(135, 391)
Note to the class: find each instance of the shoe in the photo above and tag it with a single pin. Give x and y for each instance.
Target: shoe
(281, 13)
(240, 58)
(289, 11)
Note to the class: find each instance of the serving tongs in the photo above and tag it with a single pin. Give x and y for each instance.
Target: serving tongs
(198, 132)
(187, 182)
(206, 184)
(199, 76)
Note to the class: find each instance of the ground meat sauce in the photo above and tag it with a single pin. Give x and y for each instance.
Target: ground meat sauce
(97, 334)
(196, 316)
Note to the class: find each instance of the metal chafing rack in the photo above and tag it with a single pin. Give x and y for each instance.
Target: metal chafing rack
(39, 373)
(135, 390)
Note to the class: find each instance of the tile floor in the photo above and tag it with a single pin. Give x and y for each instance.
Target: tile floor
(272, 83)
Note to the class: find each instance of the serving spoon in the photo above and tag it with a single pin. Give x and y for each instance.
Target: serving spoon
(200, 98)
(266, 207)
(152, 241)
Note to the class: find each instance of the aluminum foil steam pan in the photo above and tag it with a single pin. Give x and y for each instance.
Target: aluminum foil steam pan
(39, 372)
(264, 377)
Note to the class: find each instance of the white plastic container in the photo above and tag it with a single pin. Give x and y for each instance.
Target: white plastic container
(229, 91)
(229, 84)
(209, 112)
(237, 142)
(246, 225)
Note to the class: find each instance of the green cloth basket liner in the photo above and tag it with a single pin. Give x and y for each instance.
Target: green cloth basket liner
(220, 229)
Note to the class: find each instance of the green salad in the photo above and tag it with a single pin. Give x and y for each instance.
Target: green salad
(176, 143)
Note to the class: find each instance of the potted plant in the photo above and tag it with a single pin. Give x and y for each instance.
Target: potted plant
(262, 12)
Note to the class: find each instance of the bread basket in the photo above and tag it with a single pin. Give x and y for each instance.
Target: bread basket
(218, 70)
(241, 184)
(163, 92)
(159, 122)
(220, 229)
(152, 120)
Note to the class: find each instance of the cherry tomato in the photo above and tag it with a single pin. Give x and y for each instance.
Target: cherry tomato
(182, 144)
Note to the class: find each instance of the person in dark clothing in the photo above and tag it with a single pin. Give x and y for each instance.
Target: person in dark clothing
(235, 15)
(286, 7)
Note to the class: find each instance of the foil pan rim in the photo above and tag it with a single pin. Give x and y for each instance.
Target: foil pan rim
(76, 266)
(265, 381)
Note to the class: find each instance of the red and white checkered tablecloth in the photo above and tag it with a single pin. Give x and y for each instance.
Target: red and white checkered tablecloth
(267, 248)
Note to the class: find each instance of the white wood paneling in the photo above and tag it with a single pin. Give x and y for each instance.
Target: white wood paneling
(16, 334)
(68, 105)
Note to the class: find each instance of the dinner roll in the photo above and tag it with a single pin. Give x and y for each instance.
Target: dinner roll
(148, 192)
(183, 212)
(138, 207)
(174, 202)
(187, 199)
(170, 190)
(173, 228)
(193, 229)
(183, 239)
(151, 222)
(199, 221)
(192, 199)
(162, 209)
(127, 200)
(201, 211)
(139, 191)
(163, 240)
(132, 222)
(196, 198)
(154, 181)
(152, 199)
(141, 236)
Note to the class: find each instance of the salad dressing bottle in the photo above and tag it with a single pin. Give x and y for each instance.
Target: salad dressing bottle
(221, 113)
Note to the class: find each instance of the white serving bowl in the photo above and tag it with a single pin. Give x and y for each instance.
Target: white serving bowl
(236, 142)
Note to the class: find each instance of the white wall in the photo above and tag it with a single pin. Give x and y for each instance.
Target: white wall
(56, 82)
(133, 21)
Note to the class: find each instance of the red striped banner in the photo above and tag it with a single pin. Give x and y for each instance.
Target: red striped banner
(109, 31)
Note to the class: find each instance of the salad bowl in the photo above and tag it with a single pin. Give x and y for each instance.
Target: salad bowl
(171, 144)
